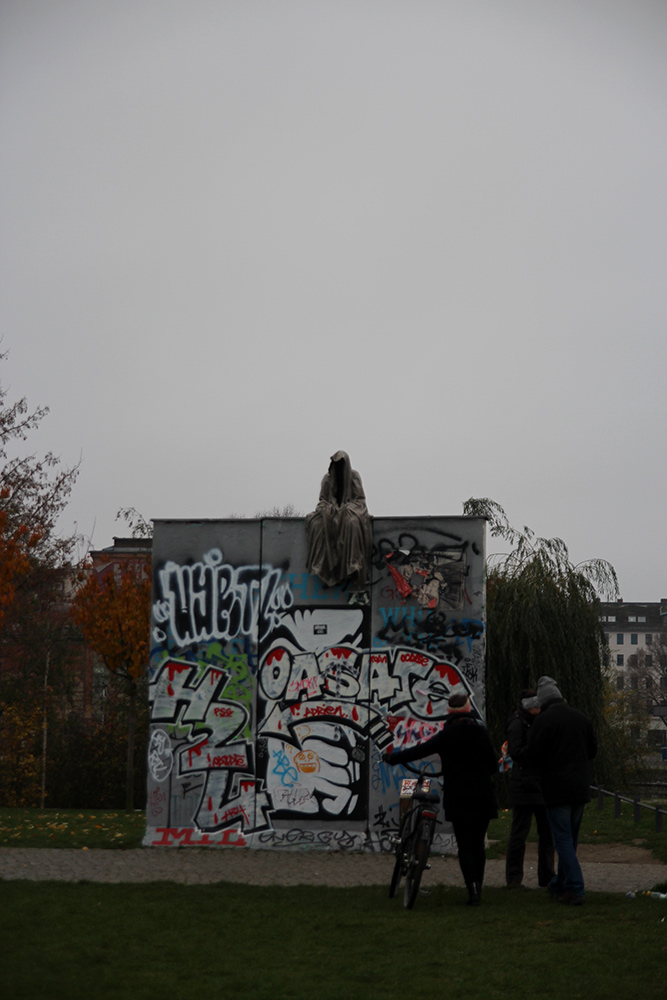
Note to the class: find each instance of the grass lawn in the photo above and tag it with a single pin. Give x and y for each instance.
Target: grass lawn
(118, 829)
(111, 942)
(598, 827)
(156, 940)
(71, 828)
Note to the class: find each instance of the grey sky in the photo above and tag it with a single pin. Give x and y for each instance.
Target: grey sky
(238, 236)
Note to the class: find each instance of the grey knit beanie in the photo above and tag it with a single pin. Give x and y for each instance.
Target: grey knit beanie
(547, 690)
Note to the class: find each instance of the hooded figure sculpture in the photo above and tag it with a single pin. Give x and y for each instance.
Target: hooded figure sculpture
(339, 530)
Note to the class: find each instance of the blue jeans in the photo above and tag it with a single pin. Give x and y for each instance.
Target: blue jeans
(565, 822)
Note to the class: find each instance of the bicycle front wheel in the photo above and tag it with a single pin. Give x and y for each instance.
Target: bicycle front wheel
(397, 874)
(417, 860)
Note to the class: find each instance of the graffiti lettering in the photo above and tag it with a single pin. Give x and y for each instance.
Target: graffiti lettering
(189, 694)
(213, 600)
(409, 731)
(160, 756)
(228, 760)
(292, 798)
(155, 801)
(319, 710)
(187, 837)
(231, 814)
(341, 839)
(431, 631)
(283, 769)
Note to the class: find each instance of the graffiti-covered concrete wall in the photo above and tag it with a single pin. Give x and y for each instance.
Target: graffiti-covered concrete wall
(272, 696)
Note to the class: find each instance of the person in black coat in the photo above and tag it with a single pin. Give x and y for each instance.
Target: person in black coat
(526, 800)
(561, 744)
(468, 765)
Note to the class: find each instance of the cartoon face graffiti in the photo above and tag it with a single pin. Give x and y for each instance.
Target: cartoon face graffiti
(307, 761)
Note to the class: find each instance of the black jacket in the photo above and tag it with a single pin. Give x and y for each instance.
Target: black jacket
(561, 743)
(525, 785)
(468, 765)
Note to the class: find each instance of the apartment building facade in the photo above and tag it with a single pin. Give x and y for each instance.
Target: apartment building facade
(637, 638)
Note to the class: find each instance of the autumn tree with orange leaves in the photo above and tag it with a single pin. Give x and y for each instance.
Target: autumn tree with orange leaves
(34, 557)
(15, 543)
(33, 494)
(113, 612)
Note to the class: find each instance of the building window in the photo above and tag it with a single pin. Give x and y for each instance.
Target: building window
(663, 683)
(619, 638)
(633, 638)
(648, 661)
(632, 618)
(649, 638)
(649, 683)
(642, 618)
(611, 618)
(634, 682)
(620, 682)
(619, 659)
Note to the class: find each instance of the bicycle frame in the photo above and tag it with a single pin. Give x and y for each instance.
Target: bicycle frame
(415, 834)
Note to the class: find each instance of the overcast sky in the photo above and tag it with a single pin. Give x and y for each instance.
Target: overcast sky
(237, 236)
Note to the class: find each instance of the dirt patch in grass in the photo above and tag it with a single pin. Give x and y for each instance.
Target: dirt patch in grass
(607, 854)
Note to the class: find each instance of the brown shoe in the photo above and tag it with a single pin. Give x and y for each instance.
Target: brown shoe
(571, 899)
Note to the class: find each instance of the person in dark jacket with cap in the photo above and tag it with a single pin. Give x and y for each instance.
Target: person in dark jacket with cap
(526, 799)
(561, 743)
(468, 796)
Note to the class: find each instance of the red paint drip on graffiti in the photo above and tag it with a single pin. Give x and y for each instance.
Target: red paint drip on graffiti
(196, 751)
(177, 668)
(339, 652)
(448, 673)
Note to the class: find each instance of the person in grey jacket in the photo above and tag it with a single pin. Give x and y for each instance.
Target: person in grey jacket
(561, 743)
(526, 799)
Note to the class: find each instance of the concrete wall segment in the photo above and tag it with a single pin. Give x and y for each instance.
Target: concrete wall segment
(273, 696)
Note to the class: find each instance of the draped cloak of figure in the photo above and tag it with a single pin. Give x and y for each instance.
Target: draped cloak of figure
(339, 529)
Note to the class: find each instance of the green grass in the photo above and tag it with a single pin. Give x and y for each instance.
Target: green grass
(145, 942)
(597, 828)
(71, 828)
(78, 940)
(117, 829)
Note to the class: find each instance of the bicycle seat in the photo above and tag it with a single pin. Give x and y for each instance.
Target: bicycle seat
(426, 796)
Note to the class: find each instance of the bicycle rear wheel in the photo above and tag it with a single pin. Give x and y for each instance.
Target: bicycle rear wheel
(417, 860)
(404, 841)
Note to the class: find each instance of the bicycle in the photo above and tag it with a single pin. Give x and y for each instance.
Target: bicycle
(415, 833)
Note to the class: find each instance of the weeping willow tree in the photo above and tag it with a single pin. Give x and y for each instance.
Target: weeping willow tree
(543, 617)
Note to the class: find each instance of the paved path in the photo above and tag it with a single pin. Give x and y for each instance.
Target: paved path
(254, 867)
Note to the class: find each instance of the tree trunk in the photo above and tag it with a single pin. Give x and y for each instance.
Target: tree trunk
(131, 731)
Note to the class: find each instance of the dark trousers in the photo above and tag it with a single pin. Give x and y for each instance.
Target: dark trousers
(470, 833)
(516, 848)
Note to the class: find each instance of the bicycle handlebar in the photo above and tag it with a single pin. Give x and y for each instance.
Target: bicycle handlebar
(421, 772)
